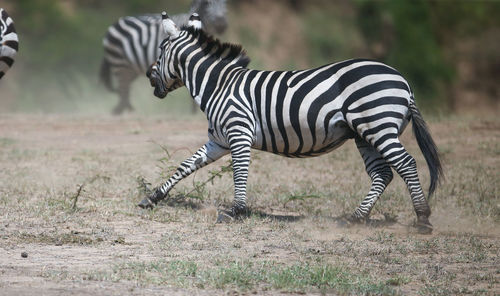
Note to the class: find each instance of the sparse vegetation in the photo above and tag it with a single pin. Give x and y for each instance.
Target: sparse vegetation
(198, 192)
(245, 276)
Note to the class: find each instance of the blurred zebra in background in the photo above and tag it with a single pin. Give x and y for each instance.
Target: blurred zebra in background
(8, 42)
(131, 45)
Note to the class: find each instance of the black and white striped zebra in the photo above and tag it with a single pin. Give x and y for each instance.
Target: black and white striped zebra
(9, 43)
(295, 114)
(131, 45)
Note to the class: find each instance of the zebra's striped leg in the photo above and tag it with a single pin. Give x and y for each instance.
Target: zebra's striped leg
(239, 144)
(206, 154)
(406, 166)
(381, 174)
(125, 78)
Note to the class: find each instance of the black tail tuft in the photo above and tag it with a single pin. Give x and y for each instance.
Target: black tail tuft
(428, 148)
(105, 74)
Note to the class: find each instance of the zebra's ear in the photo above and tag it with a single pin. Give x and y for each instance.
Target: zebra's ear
(169, 26)
(195, 21)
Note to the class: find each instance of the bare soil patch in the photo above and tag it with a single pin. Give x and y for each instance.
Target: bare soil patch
(292, 243)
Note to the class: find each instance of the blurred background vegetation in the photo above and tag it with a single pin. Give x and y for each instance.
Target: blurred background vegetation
(447, 49)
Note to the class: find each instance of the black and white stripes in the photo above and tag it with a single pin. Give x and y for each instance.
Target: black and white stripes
(294, 114)
(131, 45)
(8, 42)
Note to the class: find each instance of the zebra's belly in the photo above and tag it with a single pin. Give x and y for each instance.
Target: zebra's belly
(307, 141)
(336, 136)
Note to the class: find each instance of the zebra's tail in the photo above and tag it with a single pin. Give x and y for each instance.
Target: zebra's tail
(105, 74)
(427, 146)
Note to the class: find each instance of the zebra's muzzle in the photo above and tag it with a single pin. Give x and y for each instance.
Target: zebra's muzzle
(160, 91)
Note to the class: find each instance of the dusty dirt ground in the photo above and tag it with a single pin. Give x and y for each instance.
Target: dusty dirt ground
(98, 242)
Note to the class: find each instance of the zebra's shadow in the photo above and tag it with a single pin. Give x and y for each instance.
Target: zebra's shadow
(183, 202)
(346, 221)
(343, 220)
(180, 201)
(277, 217)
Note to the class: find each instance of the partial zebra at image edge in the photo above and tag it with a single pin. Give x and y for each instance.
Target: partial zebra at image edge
(9, 45)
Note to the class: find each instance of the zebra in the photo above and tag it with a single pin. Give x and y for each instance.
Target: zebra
(299, 114)
(131, 45)
(9, 43)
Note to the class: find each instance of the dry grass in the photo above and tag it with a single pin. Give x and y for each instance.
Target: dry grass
(99, 242)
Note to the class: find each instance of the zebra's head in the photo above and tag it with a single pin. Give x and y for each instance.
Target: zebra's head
(169, 71)
(162, 74)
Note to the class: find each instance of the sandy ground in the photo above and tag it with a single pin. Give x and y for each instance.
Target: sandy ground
(97, 244)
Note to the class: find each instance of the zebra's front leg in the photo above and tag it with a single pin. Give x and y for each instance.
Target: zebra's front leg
(381, 175)
(206, 154)
(240, 153)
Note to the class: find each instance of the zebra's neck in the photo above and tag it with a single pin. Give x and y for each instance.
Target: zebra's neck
(207, 68)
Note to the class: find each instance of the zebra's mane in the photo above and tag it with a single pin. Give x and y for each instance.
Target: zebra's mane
(236, 51)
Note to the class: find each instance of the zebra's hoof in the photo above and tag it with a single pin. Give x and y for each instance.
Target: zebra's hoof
(423, 225)
(224, 216)
(353, 219)
(117, 111)
(146, 203)
(350, 220)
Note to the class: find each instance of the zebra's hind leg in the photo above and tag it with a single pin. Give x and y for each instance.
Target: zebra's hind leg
(406, 166)
(125, 78)
(381, 174)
